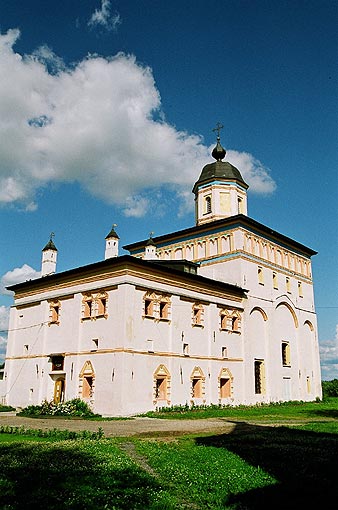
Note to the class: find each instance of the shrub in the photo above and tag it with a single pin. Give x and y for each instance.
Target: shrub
(4, 408)
(330, 388)
(75, 407)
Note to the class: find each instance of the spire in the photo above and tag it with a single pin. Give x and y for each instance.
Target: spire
(218, 152)
(112, 243)
(49, 256)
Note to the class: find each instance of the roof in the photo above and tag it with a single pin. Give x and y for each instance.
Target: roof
(50, 246)
(219, 170)
(128, 262)
(239, 220)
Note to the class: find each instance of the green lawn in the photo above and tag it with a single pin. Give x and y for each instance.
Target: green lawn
(256, 466)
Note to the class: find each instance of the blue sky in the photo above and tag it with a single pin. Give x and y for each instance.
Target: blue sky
(106, 116)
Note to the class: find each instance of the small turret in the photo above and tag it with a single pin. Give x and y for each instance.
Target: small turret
(49, 257)
(150, 248)
(112, 244)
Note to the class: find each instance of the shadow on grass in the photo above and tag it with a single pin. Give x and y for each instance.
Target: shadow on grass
(304, 464)
(53, 476)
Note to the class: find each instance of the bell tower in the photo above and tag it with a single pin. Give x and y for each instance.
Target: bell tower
(49, 256)
(220, 191)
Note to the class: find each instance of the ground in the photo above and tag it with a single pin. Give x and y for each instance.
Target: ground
(123, 428)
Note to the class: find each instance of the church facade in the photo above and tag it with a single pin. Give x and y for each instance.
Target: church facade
(219, 313)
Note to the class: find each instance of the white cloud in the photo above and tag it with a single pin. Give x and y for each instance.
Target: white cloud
(104, 18)
(17, 275)
(96, 123)
(4, 320)
(328, 351)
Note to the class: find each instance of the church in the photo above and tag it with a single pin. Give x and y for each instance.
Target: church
(219, 313)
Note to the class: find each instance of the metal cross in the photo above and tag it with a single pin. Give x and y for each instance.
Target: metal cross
(52, 235)
(218, 128)
(151, 234)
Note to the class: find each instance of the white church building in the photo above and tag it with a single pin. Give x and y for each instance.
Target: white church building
(219, 313)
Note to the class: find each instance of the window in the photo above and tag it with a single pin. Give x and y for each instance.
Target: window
(57, 363)
(87, 381)
(286, 354)
(164, 310)
(196, 387)
(300, 289)
(88, 307)
(224, 319)
(274, 280)
(240, 205)
(161, 388)
(197, 383)
(288, 284)
(157, 306)
(207, 205)
(161, 384)
(54, 312)
(224, 352)
(197, 314)
(308, 384)
(87, 386)
(259, 376)
(230, 320)
(95, 344)
(260, 276)
(26, 348)
(94, 305)
(224, 387)
(101, 305)
(186, 349)
(148, 308)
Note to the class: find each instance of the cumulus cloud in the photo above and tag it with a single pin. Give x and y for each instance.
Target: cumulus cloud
(17, 275)
(104, 18)
(328, 351)
(4, 319)
(98, 123)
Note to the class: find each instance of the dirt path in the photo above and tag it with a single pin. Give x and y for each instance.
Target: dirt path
(123, 428)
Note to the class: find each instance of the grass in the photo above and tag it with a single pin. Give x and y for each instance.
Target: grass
(279, 412)
(256, 466)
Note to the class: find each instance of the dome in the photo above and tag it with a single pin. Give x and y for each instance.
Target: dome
(219, 170)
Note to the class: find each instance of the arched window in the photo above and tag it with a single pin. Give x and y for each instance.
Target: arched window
(208, 204)
(197, 383)
(162, 384)
(87, 380)
(225, 383)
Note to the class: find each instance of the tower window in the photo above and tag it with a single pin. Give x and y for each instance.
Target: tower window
(197, 314)
(300, 289)
(260, 276)
(207, 205)
(274, 280)
(288, 284)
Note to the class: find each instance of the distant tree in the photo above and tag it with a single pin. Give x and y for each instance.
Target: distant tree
(330, 388)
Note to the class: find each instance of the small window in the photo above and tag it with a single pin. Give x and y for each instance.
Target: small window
(235, 322)
(207, 205)
(54, 312)
(95, 344)
(286, 354)
(224, 319)
(300, 289)
(308, 384)
(88, 308)
(57, 363)
(197, 315)
(288, 284)
(240, 205)
(186, 349)
(101, 306)
(148, 308)
(274, 280)
(260, 276)
(259, 377)
(26, 348)
(164, 310)
(224, 352)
